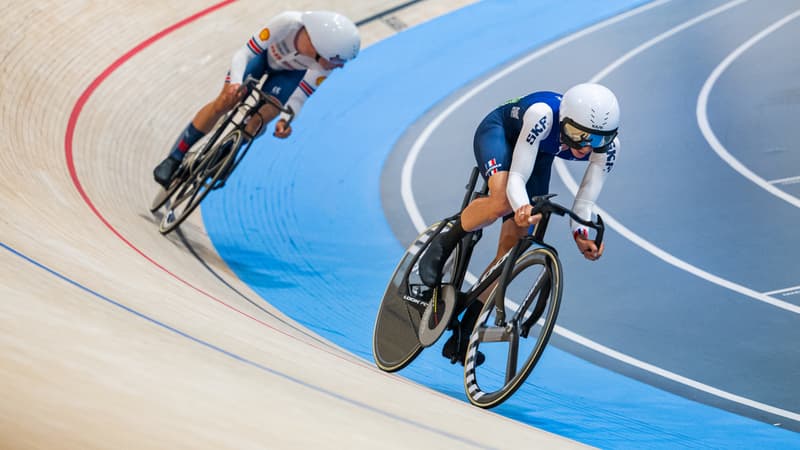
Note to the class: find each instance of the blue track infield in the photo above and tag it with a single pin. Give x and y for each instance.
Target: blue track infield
(302, 223)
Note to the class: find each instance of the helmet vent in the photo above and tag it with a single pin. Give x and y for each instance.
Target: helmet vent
(596, 121)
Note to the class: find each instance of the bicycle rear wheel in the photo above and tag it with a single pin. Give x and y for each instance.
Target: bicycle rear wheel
(164, 194)
(512, 349)
(206, 171)
(396, 336)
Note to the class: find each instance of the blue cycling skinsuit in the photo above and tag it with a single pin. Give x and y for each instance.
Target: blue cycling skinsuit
(522, 136)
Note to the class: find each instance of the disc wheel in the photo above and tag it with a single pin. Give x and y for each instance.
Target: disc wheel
(513, 347)
(203, 176)
(396, 336)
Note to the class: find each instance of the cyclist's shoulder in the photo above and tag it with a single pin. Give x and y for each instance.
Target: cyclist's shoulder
(541, 102)
(549, 98)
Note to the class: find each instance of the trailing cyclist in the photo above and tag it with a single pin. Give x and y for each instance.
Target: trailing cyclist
(297, 50)
(515, 145)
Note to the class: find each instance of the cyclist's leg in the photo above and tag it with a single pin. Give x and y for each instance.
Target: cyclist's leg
(203, 122)
(510, 232)
(456, 346)
(493, 154)
(280, 85)
(211, 112)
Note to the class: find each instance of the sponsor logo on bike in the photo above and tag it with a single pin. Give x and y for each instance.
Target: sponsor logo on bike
(415, 300)
(536, 130)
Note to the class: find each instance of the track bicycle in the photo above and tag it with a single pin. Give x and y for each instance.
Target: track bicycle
(208, 168)
(522, 289)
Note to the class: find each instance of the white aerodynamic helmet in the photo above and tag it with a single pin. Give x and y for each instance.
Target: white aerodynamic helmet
(589, 115)
(334, 36)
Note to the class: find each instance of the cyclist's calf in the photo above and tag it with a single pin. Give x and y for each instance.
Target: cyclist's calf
(258, 123)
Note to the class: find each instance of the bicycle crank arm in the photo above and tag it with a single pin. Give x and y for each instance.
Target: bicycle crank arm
(496, 334)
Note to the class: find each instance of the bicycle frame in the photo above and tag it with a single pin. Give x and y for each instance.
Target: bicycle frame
(503, 268)
(247, 113)
(211, 165)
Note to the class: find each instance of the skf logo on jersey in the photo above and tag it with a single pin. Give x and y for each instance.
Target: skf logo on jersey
(491, 167)
(536, 130)
(320, 80)
(611, 155)
(264, 35)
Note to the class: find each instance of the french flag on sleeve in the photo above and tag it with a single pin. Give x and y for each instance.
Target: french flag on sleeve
(253, 46)
(306, 88)
(491, 167)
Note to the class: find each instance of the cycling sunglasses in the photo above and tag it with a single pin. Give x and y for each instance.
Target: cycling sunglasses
(336, 61)
(578, 136)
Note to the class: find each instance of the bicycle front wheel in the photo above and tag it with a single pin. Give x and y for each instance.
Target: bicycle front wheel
(513, 347)
(209, 169)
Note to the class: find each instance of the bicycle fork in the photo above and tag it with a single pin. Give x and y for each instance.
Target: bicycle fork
(539, 291)
(499, 295)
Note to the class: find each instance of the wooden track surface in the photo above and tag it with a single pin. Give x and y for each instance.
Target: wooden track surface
(117, 337)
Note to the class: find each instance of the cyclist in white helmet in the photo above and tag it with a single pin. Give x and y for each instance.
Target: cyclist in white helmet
(298, 50)
(515, 146)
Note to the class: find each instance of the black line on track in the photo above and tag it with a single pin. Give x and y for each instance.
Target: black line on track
(383, 14)
(255, 303)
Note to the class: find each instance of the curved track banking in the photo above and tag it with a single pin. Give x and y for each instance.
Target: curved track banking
(113, 336)
(708, 132)
(639, 335)
(317, 226)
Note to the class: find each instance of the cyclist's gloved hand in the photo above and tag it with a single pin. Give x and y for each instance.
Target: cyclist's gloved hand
(587, 246)
(282, 129)
(523, 217)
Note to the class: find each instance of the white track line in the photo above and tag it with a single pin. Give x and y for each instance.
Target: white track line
(788, 180)
(675, 377)
(572, 185)
(705, 127)
(419, 223)
(780, 291)
(408, 166)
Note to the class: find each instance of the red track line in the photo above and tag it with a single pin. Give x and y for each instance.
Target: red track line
(68, 146)
(69, 154)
